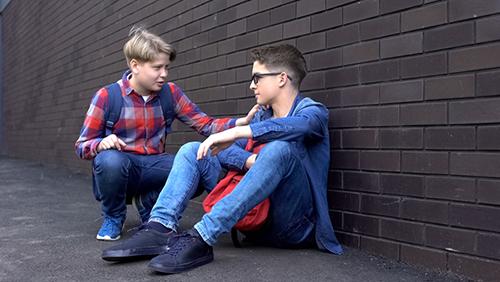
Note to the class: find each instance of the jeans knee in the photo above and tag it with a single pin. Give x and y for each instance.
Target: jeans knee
(189, 148)
(110, 163)
(278, 149)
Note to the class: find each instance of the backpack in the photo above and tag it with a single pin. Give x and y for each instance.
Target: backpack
(112, 113)
(256, 217)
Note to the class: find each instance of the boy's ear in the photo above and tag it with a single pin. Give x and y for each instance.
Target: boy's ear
(133, 64)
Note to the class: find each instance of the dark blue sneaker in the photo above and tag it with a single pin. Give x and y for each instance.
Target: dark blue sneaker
(185, 252)
(145, 243)
(111, 229)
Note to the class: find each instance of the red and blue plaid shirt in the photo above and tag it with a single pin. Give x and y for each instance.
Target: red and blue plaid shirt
(141, 124)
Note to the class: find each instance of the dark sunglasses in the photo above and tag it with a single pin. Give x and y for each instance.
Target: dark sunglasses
(257, 76)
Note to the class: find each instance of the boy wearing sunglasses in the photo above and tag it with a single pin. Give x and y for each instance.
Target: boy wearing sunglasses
(290, 170)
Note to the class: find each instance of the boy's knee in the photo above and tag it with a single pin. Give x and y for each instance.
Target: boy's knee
(110, 161)
(189, 148)
(281, 149)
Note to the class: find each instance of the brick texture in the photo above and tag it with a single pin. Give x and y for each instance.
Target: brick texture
(411, 87)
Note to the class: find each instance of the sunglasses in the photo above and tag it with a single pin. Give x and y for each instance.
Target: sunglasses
(257, 76)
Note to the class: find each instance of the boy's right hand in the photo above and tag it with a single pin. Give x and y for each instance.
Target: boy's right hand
(110, 142)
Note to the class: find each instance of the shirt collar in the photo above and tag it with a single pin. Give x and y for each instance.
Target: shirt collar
(126, 83)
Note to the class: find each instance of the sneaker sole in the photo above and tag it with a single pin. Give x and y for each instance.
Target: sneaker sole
(180, 268)
(133, 254)
(107, 238)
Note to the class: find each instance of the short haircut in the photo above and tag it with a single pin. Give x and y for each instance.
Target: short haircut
(145, 46)
(285, 58)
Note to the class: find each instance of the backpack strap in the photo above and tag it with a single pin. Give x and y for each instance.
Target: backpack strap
(167, 106)
(112, 113)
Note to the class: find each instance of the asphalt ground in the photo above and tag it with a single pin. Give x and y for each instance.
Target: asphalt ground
(49, 220)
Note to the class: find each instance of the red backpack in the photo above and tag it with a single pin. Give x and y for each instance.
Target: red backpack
(257, 216)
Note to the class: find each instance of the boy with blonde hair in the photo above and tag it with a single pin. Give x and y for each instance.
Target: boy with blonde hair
(128, 153)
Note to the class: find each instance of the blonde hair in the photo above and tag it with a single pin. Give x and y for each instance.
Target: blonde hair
(145, 46)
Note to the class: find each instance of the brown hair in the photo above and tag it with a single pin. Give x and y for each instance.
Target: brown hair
(145, 46)
(281, 57)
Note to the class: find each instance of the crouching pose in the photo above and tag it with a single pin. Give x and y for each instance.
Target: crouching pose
(290, 170)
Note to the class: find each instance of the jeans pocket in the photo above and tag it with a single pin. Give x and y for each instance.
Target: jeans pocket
(296, 232)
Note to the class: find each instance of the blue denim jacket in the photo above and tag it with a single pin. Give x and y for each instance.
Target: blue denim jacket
(307, 126)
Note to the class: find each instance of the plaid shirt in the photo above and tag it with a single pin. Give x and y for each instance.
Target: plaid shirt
(141, 124)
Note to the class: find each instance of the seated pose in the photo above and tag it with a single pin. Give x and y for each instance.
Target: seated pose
(125, 129)
(290, 170)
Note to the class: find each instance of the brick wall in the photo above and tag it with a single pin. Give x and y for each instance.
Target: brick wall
(412, 88)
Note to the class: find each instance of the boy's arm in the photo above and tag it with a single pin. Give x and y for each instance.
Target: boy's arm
(307, 124)
(235, 156)
(93, 127)
(189, 113)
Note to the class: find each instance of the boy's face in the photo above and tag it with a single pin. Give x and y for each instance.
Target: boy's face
(268, 84)
(150, 76)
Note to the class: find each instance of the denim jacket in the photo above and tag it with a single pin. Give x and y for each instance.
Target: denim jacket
(307, 126)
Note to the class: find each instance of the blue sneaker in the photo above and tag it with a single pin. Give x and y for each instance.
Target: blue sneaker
(111, 229)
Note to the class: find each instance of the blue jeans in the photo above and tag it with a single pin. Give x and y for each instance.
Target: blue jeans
(277, 174)
(120, 175)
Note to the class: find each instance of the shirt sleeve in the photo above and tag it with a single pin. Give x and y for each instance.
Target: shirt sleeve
(189, 113)
(234, 157)
(93, 126)
(308, 123)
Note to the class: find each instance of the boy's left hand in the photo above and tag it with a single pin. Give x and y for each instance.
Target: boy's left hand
(248, 118)
(220, 141)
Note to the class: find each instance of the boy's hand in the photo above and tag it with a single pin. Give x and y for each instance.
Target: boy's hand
(250, 161)
(220, 141)
(109, 142)
(246, 120)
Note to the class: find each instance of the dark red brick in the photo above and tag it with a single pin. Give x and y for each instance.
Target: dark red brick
(380, 205)
(360, 10)
(424, 113)
(465, 9)
(361, 181)
(402, 45)
(379, 116)
(405, 138)
(402, 231)
(450, 138)
(488, 191)
(364, 138)
(449, 36)
(449, 87)
(381, 71)
(362, 52)
(379, 27)
(450, 239)
(363, 95)
(361, 224)
(425, 210)
(487, 83)
(429, 15)
(452, 188)
(401, 184)
(406, 91)
(342, 35)
(380, 160)
(385, 248)
(424, 65)
(425, 162)
(423, 256)
(473, 58)
(389, 6)
(474, 216)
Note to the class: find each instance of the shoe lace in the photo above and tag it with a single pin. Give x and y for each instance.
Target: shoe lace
(181, 241)
(109, 224)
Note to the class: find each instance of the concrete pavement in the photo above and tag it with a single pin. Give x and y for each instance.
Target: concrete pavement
(50, 219)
